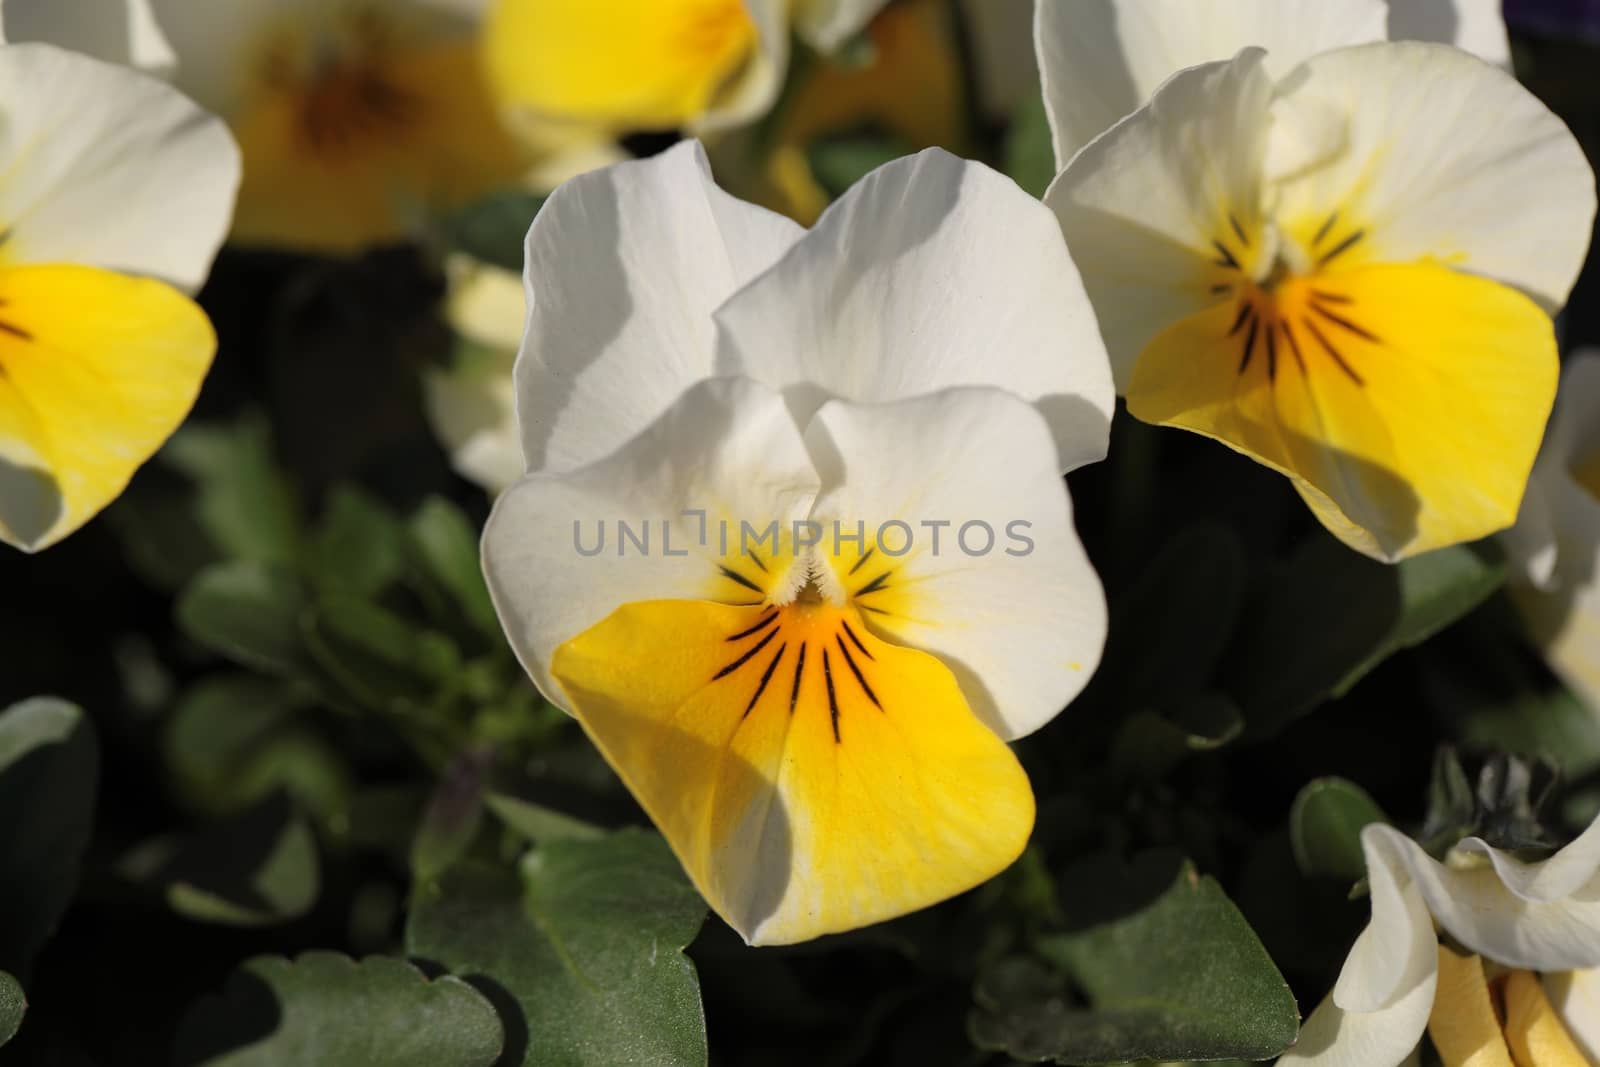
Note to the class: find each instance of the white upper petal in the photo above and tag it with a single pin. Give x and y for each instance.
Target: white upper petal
(728, 446)
(1101, 60)
(624, 267)
(1444, 157)
(117, 31)
(1474, 25)
(111, 168)
(1141, 206)
(827, 24)
(219, 43)
(1542, 917)
(1020, 624)
(931, 272)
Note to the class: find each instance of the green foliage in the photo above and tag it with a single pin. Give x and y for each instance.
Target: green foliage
(1030, 160)
(13, 1005)
(584, 942)
(1325, 827)
(1179, 976)
(493, 229)
(839, 162)
(325, 1008)
(49, 764)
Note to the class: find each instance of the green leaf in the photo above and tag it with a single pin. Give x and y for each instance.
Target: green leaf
(1325, 827)
(1149, 744)
(256, 869)
(380, 657)
(13, 1005)
(445, 545)
(250, 613)
(359, 546)
(538, 823)
(1030, 161)
(49, 766)
(325, 1008)
(1325, 618)
(1182, 977)
(453, 815)
(586, 942)
(235, 739)
(493, 229)
(245, 504)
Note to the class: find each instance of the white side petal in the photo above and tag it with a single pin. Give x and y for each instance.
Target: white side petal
(117, 31)
(219, 43)
(624, 267)
(1142, 206)
(1020, 622)
(1521, 924)
(1387, 1037)
(110, 168)
(756, 87)
(929, 273)
(827, 24)
(1474, 25)
(1100, 60)
(1427, 178)
(472, 409)
(1575, 996)
(728, 447)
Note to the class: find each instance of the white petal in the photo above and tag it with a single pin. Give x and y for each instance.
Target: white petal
(624, 267)
(1474, 25)
(728, 446)
(1575, 996)
(110, 168)
(1557, 537)
(1565, 874)
(827, 24)
(1020, 622)
(1100, 61)
(755, 88)
(484, 303)
(1398, 946)
(1524, 924)
(117, 31)
(929, 273)
(1142, 205)
(1387, 1037)
(218, 42)
(1426, 177)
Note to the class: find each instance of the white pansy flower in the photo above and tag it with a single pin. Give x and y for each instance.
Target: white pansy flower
(1399, 981)
(1100, 61)
(118, 31)
(815, 715)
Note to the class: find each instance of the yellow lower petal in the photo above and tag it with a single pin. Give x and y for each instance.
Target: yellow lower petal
(96, 371)
(1406, 402)
(810, 777)
(633, 64)
(366, 154)
(1464, 1027)
(1533, 1029)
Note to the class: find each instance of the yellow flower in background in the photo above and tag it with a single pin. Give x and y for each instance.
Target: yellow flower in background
(1345, 273)
(817, 726)
(359, 120)
(655, 64)
(116, 195)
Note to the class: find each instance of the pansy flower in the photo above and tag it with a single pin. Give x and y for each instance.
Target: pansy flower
(1481, 984)
(656, 64)
(359, 120)
(1345, 272)
(807, 692)
(117, 193)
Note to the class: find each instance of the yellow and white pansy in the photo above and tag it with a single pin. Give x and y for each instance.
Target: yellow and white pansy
(1498, 993)
(1346, 273)
(1555, 546)
(359, 120)
(116, 195)
(471, 404)
(656, 64)
(1100, 62)
(808, 695)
